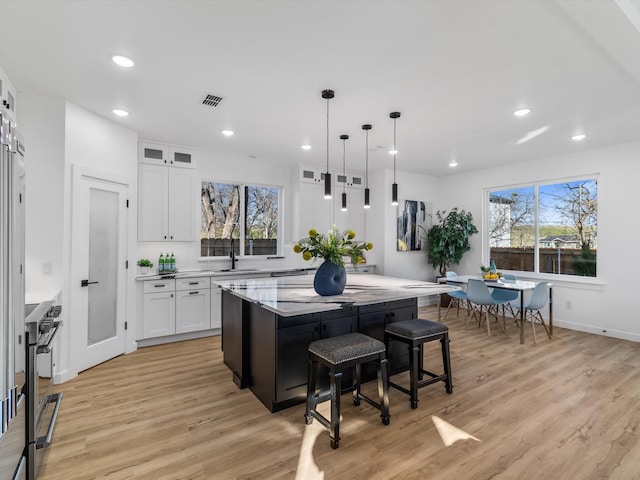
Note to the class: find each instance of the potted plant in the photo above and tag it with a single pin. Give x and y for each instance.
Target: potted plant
(145, 265)
(448, 240)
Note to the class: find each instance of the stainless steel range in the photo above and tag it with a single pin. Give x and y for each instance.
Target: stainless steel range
(42, 406)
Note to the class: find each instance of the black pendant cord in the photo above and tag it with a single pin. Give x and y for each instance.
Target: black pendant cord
(344, 139)
(327, 134)
(395, 150)
(366, 165)
(366, 129)
(327, 94)
(394, 187)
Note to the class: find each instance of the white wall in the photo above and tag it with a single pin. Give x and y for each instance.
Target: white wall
(382, 223)
(42, 125)
(104, 146)
(604, 305)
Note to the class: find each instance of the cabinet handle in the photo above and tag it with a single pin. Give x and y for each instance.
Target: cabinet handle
(159, 285)
(171, 295)
(171, 237)
(194, 283)
(193, 293)
(165, 237)
(324, 327)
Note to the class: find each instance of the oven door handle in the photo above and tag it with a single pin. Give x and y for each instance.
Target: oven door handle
(47, 347)
(45, 441)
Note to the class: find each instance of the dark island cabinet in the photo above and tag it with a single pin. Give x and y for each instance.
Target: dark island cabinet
(267, 352)
(278, 356)
(235, 346)
(373, 319)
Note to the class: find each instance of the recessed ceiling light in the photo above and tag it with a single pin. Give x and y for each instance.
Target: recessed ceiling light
(227, 133)
(453, 163)
(122, 61)
(522, 112)
(578, 137)
(306, 147)
(120, 112)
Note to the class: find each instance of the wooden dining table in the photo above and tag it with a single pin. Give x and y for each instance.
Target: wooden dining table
(518, 285)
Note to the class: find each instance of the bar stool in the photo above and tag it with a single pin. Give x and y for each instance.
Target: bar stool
(415, 333)
(338, 354)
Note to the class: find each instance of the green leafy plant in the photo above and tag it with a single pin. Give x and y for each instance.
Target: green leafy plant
(448, 240)
(143, 262)
(333, 246)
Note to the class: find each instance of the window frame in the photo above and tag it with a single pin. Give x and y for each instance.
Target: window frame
(536, 273)
(242, 220)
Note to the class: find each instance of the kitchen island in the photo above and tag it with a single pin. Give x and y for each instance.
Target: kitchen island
(268, 324)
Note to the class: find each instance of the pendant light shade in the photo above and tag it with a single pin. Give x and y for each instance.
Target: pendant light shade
(394, 187)
(344, 138)
(366, 129)
(327, 95)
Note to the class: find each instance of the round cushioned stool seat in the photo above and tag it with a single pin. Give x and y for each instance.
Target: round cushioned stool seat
(416, 329)
(346, 348)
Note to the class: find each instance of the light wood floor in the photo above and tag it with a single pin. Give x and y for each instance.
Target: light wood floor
(568, 408)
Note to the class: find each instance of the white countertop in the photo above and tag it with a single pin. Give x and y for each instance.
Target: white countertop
(238, 271)
(287, 296)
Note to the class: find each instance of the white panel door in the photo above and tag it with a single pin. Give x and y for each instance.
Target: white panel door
(98, 273)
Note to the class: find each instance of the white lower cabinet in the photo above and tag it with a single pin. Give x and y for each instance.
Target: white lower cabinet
(177, 306)
(159, 308)
(193, 305)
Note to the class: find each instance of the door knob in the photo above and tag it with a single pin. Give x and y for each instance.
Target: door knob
(86, 283)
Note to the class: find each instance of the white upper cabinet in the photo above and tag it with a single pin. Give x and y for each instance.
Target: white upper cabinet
(166, 194)
(153, 154)
(317, 212)
(157, 154)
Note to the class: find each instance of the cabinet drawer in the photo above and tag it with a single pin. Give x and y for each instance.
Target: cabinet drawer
(192, 283)
(156, 286)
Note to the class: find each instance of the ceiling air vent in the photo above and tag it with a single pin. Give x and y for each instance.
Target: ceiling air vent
(211, 100)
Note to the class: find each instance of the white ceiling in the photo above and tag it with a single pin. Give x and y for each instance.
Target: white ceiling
(455, 69)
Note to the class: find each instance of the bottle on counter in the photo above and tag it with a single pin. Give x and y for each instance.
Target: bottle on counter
(492, 266)
(161, 264)
(172, 262)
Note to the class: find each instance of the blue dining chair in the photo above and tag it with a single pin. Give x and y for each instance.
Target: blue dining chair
(504, 297)
(538, 300)
(480, 300)
(459, 297)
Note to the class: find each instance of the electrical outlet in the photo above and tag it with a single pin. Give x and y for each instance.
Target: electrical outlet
(568, 304)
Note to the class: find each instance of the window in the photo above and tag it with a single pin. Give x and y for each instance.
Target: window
(545, 228)
(233, 212)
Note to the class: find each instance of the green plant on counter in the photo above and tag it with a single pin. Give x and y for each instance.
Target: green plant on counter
(143, 262)
(333, 246)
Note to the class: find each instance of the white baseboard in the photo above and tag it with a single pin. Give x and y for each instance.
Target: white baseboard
(606, 332)
(149, 342)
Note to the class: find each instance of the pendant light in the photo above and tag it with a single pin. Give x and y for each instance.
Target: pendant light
(344, 138)
(327, 94)
(394, 187)
(366, 128)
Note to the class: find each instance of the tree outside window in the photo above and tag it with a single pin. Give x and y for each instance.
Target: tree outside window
(232, 211)
(545, 228)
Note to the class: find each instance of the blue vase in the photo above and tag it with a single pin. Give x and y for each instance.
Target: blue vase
(330, 279)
